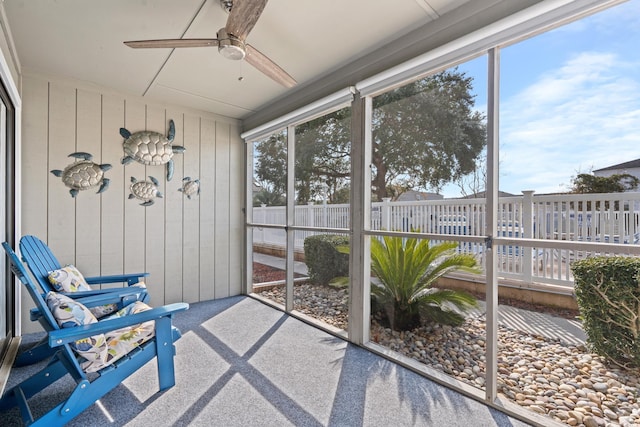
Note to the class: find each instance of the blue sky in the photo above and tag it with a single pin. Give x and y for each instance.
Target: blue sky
(569, 101)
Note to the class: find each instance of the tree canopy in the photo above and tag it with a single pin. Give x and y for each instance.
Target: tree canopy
(425, 134)
(616, 183)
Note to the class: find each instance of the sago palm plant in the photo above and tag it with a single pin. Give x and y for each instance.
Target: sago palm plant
(406, 269)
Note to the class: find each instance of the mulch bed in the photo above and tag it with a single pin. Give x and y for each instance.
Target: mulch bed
(264, 273)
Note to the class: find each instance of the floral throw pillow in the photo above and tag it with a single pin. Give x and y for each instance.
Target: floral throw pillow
(69, 279)
(69, 313)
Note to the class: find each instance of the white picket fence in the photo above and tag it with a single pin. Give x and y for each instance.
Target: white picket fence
(612, 218)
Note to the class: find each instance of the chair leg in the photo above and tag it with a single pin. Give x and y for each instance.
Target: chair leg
(165, 351)
(34, 384)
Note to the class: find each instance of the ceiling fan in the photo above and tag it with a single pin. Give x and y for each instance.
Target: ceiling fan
(243, 15)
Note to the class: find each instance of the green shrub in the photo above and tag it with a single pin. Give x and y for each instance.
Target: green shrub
(608, 294)
(324, 261)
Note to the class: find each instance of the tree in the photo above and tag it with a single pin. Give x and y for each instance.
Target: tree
(271, 164)
(616, 183)
(322, 159)
(428, 131)
(475, 181)
(425, 134)
(268, 198)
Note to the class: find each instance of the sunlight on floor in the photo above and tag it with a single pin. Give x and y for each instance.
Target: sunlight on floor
(104, 411)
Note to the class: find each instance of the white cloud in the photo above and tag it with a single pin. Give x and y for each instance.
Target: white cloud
(584, 114)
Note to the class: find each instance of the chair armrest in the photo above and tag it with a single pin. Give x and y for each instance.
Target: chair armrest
(68, 335)
(129, 278)
(96, 298)
(113, 292)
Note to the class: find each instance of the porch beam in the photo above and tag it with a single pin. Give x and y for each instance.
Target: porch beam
(491, 267)
(360, 219)
(290, 216)
(248, 215)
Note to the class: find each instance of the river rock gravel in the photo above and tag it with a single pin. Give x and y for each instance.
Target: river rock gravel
(564, 382)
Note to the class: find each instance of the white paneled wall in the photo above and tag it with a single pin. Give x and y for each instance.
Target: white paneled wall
(191, 248)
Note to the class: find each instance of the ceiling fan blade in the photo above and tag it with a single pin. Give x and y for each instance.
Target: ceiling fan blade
(268, 67)
(171, 43)
(243, 16)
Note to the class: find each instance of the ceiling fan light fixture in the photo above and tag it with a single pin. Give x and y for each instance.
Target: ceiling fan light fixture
(230, 47)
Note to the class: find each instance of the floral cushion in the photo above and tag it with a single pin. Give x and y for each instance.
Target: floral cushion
(122, 341)
(100, 351)
(69, 313)
(69, 279)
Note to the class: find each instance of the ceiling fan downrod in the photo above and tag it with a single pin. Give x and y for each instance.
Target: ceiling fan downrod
(226, 5)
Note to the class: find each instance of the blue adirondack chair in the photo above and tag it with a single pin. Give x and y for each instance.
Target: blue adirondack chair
(41, 261)
(66, 360)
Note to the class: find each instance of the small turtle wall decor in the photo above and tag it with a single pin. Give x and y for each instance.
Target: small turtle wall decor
(150, 148)
(190, 187)
(83, 174)
(146, 191)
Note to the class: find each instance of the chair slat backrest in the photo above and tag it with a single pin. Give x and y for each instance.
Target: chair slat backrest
(40, 259)
(17, 267)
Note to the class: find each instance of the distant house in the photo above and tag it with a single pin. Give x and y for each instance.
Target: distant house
(483, 194)
(410, 196)
(631, 167)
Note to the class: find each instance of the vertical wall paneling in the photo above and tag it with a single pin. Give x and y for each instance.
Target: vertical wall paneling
(222, 171)
(191, 248)
(236, 217)
(135, 114)
(88, 218)
(35, 165)
(62, 142)
(156, 121)
(207, 207)
(173, 260)
(191, 207)
(113, 200)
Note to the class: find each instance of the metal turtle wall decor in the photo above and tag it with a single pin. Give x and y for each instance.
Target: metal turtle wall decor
(151, 148)
(190, 187)
(146, 191)
(84, 174)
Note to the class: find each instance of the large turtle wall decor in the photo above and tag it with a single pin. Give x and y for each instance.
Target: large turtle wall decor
(83, 174)
(150, 148)
(146, 191)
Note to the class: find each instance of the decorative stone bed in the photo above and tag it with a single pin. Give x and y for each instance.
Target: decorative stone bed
(547, 376)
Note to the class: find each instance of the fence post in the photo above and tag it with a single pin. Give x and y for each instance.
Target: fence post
(325, 213)
(527, 232)
(385, 221)
(310, 219)
(261, 219)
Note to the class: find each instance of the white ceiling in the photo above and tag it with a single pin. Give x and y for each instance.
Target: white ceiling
(83, 39)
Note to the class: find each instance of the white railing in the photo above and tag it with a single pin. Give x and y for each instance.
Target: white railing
(612, 218)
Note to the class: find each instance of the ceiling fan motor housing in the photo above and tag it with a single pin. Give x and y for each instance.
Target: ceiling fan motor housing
(229, 46)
